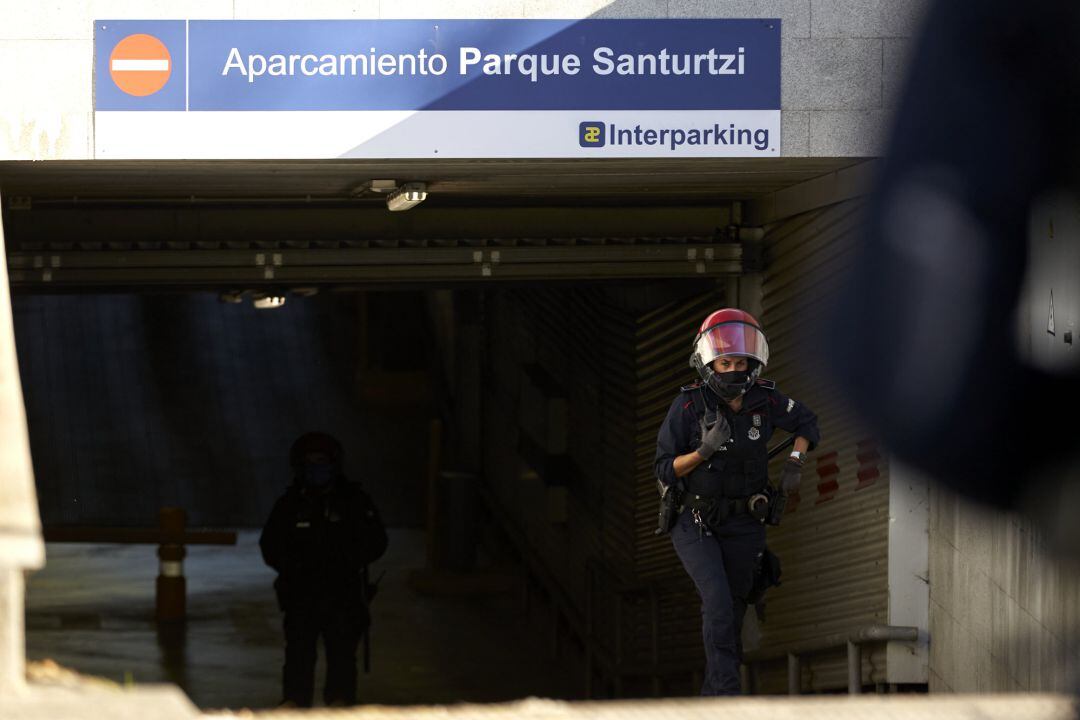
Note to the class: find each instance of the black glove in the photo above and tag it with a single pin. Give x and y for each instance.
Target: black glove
(713, 438)
(791, 476)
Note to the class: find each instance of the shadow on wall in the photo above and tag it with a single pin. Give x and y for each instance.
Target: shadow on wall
(139, 401)
(479, 92)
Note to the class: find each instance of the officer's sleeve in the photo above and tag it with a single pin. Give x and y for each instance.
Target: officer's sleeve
(793, 416)
(275, 535)
(673, 440)
(370, 533)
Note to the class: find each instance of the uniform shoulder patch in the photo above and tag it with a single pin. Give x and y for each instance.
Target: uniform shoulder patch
(691, 386)
(767, 384)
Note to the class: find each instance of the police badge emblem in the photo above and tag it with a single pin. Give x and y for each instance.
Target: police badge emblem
(754, 434)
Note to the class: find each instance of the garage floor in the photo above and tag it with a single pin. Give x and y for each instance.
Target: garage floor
(91, 609)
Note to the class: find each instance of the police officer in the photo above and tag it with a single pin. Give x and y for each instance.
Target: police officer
(320, 536)
(714, 443)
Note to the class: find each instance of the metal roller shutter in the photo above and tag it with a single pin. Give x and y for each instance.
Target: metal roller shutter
(833, 543)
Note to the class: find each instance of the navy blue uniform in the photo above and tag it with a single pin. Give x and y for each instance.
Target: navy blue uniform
(319, 544)
(722, 561)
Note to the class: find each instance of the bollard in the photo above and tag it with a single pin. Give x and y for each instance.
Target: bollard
(794, 674)
(171, 585)
(854, 672)
(171, 536)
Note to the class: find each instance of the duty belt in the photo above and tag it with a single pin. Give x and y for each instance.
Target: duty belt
(708, 503)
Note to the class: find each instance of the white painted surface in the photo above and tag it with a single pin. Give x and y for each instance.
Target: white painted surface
(406, 134)
(909, 572)
(140, 65)
(171, 569)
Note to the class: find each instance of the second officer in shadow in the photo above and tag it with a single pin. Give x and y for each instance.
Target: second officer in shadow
(320, 537)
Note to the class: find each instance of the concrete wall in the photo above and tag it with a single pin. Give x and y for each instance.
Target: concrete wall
(1053, 269)
(842, 59)
(1004, 602)
(21, 547)
(909, 558)
(1004, 612)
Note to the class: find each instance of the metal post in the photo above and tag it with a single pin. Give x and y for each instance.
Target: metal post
(588, 633)
(618, 645)
(654, 617)
(794, 675)
(526, 593)
(854, 668)
(435, 550)
(554, 648)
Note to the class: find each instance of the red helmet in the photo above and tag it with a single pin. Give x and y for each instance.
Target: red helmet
(731, 332)
(734, 333)
(315, 442)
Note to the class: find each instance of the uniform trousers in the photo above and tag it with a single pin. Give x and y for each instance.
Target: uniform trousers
(722, 567)
(341, 627)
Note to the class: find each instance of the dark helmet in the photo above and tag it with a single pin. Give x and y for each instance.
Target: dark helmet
(734, 333)
(315, 442)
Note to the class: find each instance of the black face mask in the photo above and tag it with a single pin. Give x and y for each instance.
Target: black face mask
(729, 385)
(318, 475)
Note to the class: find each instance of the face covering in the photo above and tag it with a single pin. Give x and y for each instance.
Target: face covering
(318, 476)
(729, 385)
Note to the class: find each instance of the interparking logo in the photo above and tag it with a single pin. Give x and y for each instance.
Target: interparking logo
(591, 134)
(140, 65)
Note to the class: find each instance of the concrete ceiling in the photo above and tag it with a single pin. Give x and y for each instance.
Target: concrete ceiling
(107, 225)
(450, 182)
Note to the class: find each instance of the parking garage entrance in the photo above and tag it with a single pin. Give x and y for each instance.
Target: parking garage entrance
(496, 362)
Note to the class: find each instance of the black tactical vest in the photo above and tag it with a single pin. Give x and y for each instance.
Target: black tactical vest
(741, 467)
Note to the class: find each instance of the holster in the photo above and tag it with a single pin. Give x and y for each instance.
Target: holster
(767, 576)
(670, 500)
(777, 503)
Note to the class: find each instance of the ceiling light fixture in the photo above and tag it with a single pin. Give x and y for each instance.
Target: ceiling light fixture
(407, 196)
(267, 302)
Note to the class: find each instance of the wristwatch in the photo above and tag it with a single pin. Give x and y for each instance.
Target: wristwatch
(798, 456)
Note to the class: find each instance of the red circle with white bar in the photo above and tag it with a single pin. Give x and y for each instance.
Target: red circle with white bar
(140, 65)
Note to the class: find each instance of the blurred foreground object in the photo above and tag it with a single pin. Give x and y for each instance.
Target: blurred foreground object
(927, 316)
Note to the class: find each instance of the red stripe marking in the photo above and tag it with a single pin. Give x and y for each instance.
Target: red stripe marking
(867, 476)
(826, 491)
(827, 470)
(868, 457)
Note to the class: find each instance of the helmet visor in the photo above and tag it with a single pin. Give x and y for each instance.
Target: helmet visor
(737, 339)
